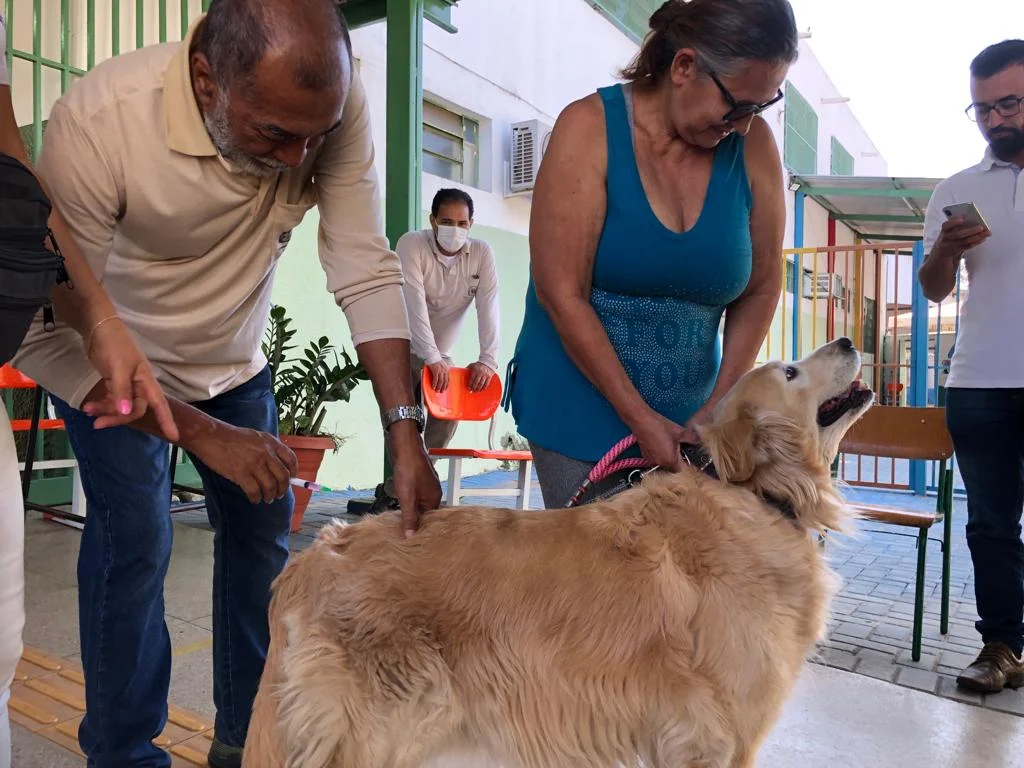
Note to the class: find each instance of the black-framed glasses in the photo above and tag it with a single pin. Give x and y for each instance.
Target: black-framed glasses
(741, 110)
(1008, 106)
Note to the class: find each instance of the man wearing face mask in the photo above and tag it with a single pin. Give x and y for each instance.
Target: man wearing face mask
(446, 271)
(985, 388)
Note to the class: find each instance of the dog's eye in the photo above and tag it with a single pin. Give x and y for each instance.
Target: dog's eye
(791, 373)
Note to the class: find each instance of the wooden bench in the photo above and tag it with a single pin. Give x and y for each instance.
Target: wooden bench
(911, 433)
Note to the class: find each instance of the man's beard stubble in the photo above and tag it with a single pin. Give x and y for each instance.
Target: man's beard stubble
(1007, 143)
(217, 125)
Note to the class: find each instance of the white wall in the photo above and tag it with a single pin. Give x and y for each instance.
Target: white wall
(511, 60)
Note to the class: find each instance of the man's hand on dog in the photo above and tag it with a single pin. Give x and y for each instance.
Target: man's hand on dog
(415, 479)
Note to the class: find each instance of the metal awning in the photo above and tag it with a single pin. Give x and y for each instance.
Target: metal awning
(877, 208)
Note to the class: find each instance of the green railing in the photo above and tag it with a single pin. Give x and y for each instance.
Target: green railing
(74, 17)
(43, 45)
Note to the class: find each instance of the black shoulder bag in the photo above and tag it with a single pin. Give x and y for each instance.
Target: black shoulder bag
(28, 269)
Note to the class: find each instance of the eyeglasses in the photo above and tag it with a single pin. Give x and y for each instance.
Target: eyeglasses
(741, 110)
(1008, 106)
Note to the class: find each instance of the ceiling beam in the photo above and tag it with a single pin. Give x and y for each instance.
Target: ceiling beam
(813, 191)
(880, 217)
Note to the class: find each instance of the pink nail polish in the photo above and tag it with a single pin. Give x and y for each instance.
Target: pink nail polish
(409, 534)
(125, 407)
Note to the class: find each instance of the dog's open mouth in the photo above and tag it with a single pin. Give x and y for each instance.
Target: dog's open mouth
(834, 408)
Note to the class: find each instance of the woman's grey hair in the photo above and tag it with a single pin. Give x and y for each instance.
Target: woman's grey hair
(726, 34)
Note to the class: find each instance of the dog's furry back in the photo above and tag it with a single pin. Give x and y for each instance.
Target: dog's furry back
(668, 623)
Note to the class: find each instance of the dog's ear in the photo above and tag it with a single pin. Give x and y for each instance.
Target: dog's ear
(732, 445)
(787, 451)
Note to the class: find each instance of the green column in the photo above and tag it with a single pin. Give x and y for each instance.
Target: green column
(404, 124)
(404, 116)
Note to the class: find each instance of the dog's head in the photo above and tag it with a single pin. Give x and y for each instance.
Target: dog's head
(779, 428)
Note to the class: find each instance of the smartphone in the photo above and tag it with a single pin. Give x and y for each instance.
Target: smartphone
(969, 211)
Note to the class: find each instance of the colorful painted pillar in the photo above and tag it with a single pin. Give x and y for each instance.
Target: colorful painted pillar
(798, 242)
(918, 393)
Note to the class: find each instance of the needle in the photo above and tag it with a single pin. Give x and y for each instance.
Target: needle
(310, 485)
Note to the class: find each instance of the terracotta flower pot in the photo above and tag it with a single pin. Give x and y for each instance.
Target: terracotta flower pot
(310, 454)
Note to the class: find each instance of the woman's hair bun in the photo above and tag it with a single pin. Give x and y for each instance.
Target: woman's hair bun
(669, 12)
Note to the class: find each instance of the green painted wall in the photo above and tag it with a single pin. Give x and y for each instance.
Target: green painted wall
(300, 286)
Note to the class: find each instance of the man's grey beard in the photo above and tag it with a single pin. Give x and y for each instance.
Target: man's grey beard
(216, 121)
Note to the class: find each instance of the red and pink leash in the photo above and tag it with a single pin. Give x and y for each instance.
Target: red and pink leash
(608, 466)
(610, 463)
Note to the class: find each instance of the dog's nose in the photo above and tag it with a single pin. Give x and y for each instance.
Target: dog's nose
(845, 343)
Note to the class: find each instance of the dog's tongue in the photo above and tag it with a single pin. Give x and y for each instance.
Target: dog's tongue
(834, 401)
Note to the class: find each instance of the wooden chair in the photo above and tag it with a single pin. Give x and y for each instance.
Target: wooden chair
(457, 402)
(11, 378)
(911, 433)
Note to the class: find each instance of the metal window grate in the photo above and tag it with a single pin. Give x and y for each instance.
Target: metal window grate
(800, 143)
(631, 16)
(842, 161)
(51, 42)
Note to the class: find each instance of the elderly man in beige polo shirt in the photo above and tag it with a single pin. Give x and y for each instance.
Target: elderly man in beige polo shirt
(182, 169)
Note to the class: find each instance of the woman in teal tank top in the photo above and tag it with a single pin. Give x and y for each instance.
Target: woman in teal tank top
(658, 213)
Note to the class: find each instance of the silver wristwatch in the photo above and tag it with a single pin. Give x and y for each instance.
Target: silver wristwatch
(402, 412)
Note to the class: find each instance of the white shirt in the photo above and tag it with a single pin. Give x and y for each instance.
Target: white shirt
(989, 349)
(439, 290)
(4, 79)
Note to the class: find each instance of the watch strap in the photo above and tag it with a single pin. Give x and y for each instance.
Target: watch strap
(401, 413)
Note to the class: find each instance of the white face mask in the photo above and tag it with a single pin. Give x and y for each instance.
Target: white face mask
(450, 238)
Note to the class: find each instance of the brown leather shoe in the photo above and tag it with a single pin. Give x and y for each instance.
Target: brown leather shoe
(995, 668)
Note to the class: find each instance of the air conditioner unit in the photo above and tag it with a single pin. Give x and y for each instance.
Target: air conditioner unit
(824, 285)
(529, 140)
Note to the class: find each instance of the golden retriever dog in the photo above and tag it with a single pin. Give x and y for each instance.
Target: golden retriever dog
(665, 626)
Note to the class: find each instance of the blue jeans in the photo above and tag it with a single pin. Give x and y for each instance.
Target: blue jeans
(125, 551)
(987, 427)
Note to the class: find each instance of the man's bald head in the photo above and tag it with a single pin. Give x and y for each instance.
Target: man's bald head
(271, 78)
(307, 37)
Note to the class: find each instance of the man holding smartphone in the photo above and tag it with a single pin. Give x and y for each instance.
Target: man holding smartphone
(985, 388)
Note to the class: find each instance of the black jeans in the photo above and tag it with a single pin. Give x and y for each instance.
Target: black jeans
(987, 427)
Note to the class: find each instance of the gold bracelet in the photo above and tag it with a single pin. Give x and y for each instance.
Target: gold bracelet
(88, 341)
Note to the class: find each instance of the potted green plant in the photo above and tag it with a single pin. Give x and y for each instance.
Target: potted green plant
(303, 386)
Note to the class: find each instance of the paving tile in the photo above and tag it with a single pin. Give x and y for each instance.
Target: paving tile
(921, 679)
(841, 646)
(949, 689)
(840, 659)
(882, 669)
(928, 661)
(956, 660)
(871, 609)
(891, 631)
(851, 629)
(1007, 701)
